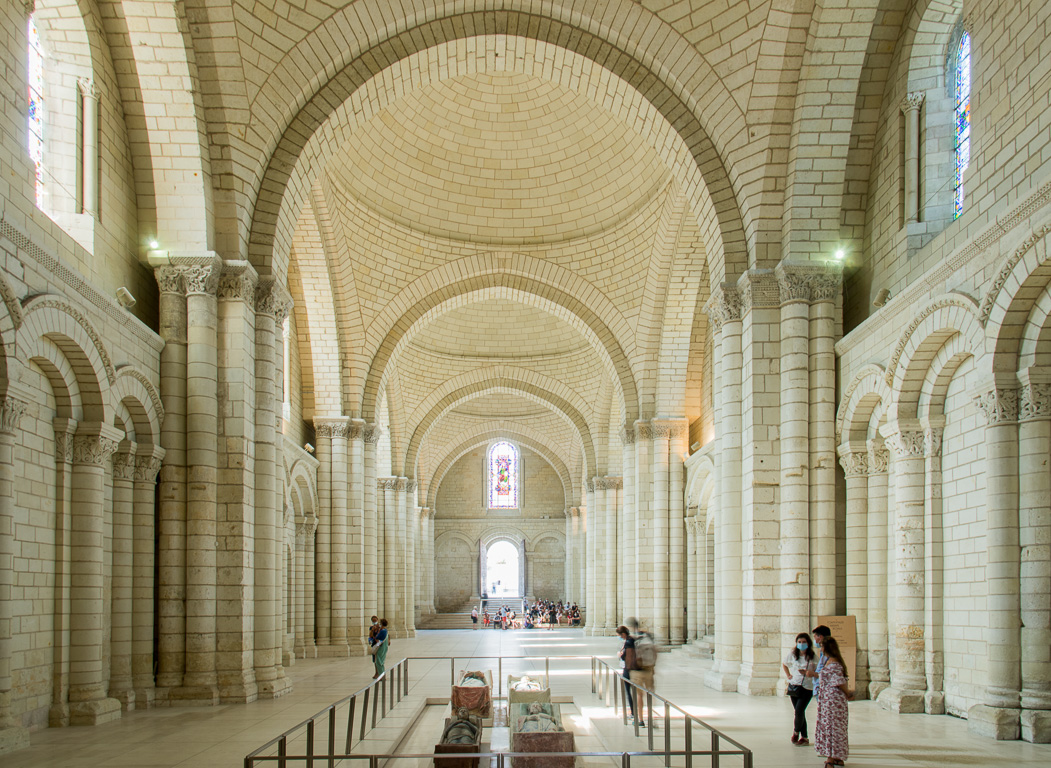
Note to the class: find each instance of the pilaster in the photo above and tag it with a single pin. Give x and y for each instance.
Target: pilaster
(148, 462)
(876, 530)
(854, 457)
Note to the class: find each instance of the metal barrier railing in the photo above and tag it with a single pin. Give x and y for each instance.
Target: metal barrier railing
(394, 683)
(604, 679)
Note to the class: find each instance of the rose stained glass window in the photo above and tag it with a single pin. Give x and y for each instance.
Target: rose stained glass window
(503, 476)
(962, 126)
(36, 108)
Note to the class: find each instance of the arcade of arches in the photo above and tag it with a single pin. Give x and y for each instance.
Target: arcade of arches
(753, 297)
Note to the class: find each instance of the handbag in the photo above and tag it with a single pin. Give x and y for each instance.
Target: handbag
(792, 690)
(373, 649)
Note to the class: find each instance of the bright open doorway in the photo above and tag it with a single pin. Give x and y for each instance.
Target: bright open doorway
(501, 570)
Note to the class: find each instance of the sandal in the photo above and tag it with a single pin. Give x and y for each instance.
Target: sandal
(803, 742)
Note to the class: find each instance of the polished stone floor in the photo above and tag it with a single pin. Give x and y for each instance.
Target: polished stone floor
(222, 736)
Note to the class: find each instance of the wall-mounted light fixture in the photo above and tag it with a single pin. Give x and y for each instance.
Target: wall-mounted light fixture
(881, 298)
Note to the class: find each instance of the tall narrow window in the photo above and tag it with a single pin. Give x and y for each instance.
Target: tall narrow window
(962, 92)
(36, 108)
(503, 476)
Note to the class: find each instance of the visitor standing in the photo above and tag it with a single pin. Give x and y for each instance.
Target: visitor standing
(474, 618)
(627, 655)
(830, 736)
(645, 659)
(821, 633)
(797, 663)
(379, 650)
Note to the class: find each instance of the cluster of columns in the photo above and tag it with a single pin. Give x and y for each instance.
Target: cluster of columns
(635, 534)
(699, 578)
(899, 511)
(425, 563)
(774, 384)
(221, 510)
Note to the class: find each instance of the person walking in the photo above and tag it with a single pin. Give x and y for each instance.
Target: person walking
(379, 650)
(800, 687)
(627, 655)
(830, 736)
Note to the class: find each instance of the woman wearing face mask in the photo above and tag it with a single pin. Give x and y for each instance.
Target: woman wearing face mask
(797, 663)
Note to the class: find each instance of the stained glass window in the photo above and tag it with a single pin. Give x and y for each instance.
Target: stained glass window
(962, 128)
(36, 107)
(503, 476)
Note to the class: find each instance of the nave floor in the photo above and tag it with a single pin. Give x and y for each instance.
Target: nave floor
(222, 736)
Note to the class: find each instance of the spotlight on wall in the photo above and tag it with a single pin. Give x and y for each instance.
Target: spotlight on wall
(308, 448)
(881, 298)
(840, 253)
(124, 298)
(154, 245)
(695, 446)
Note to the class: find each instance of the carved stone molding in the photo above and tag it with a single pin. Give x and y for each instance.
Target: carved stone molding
(1034, 401)
(906, 443)
(643, 430)
(855, 463)
(911, 101)
(64, 447)
(202, 279)
(273, 299)
(387, 483)
(879, 457)
(608, 483)
(999, 404)
(758, 290)
(11, 412)
(808, 282)
(147, 468)
(93, 450)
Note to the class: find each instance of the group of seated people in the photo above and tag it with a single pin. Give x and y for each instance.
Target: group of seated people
(541, 613)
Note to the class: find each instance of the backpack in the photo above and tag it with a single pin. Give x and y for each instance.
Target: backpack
(645, 650)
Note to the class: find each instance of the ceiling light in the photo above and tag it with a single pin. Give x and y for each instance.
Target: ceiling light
(154, 244)
(840, 254)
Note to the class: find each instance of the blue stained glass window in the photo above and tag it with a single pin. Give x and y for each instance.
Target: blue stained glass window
(962, 128)
(503, 476)
(36, 107)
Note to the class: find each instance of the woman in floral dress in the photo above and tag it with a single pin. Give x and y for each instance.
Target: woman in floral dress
(830, 739)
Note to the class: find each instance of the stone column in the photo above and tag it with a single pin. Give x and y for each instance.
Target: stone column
(610, 523)
(626, 532)
(878, 656)
(64, 431)
(340, 469)
(640, 532)
(578, 556)
(934, 566)
(389, 559)
(12, 735)
(660, 535)
(171, 544)
(692, 561)
(147, 464)
(1034, 494)
(358, 606)
(371, 552)
(1000, 717)
(322, 555)
(724, 309)
(910, 107)
(310, 572)
(121, 687)
(590, 536)
(909, 681)
(677, 452)
(855, 460)
(568, 567)
(93, 446)
(272, 304)
(200, 681)
(300, 597)
(410, 558)
(397, 548)
(824, 283)
(89, 152)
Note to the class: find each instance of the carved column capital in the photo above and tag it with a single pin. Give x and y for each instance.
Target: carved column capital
(906, 443)
(371, 434)
(410, 485)
(878, 457)
(627, 434)
(148, 463)
(387, 483)
(589, 486)
(124, 461)
(169, 280)
(11, 412)
(758, 289)
(808, 282)
(1034, 401)
(94, 445)
(998, 404)
(932, 441)
(855, 461)
(724, 306)
(608, 483)
(88, 88)
(911, 101)
(273, 299)
(237, 282)
(643, 430)
(357, 429)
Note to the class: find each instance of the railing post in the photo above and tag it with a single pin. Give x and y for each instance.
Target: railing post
(499, 676)
(625, 760)
(547, 670)
(310, 743)
(332, 737)
(452, 670)
(592, 674)
(649, 712)
(406, 683)
(282, 752)
(748, 758)
(364, 713)
(383, 696)
(715, 750)
(667, 735)
(689, 742)
(350, 722)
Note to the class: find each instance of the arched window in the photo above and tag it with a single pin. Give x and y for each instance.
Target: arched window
(36, 108)
(962, 126)
(503, 476)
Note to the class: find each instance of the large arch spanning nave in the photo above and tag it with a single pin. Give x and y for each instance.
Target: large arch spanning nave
(722, 315)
